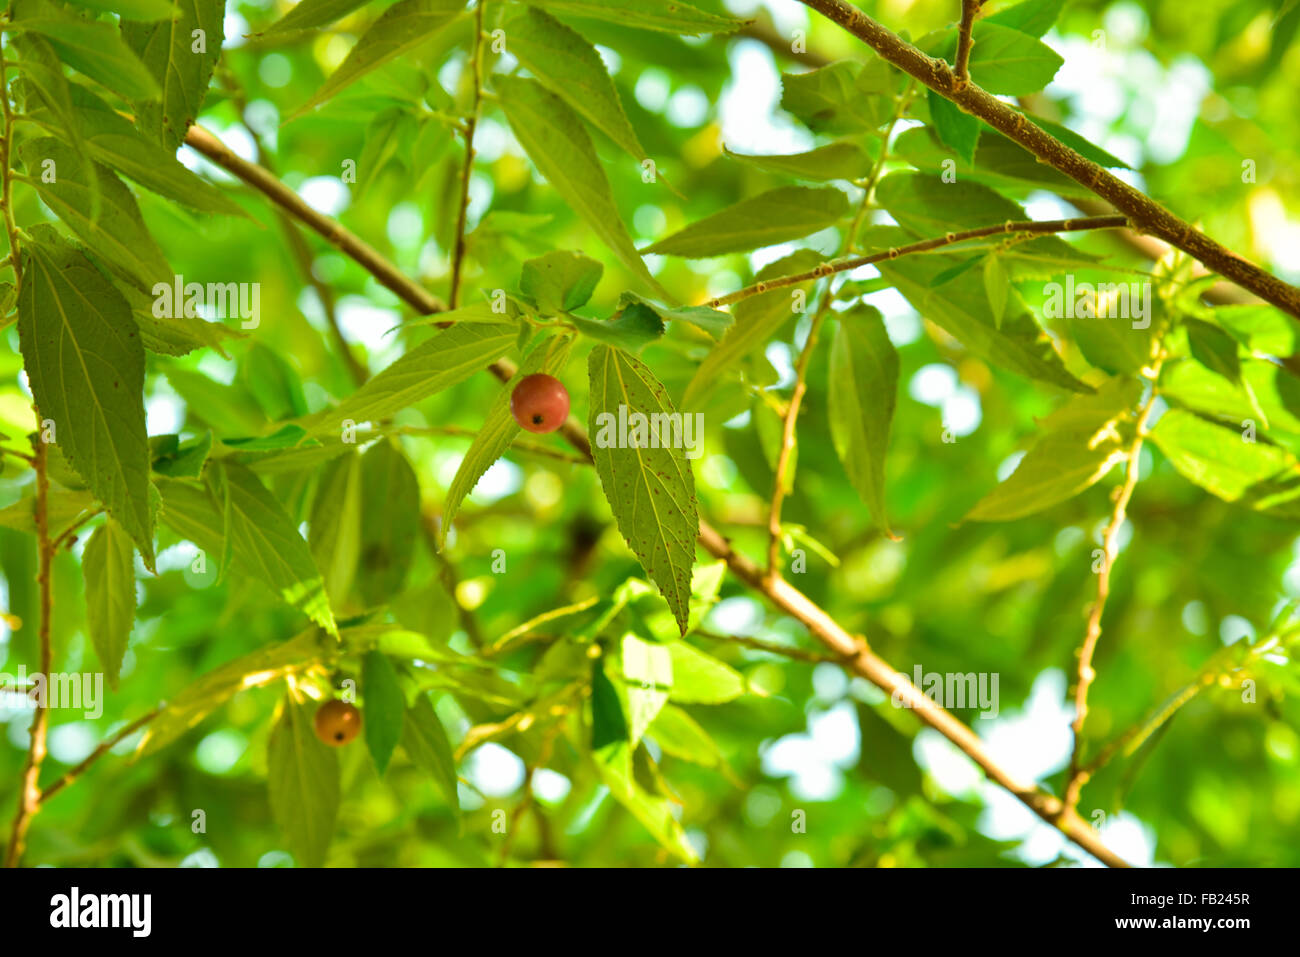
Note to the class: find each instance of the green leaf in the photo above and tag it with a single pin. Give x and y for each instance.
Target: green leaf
(438, 363)
(286, 437)
(846, 161)
(1267, 392)
(631, 328)
(255, 670)
(115, 230)
(681, 736)
(651, 491)
(1003, 60)
(757, 320)
(129, 9)
(560, 281)
(334, 529)
(384, 707)
(961, 307)
(262, 540)
(554, 138)
(399, 29)
(667, 16)
(62, 508)
(112, 140)
(927, 206)
(863, 393)
(85, 365)
(1112, 344)
(390, 492)
(1222, 461)
(1085, 148)
(712, 322)
(1214, 349)
(181, 61)
(184, 461)
(498, 431)
(314, 13)
(1263, 329)
(840, 98)
(266, 543)
(108, 567)
(302, 775)
(1034, 17)
(613, 759)
(564, 62)
(1080, 445)
(273, 382)
(90, 47)
(699, 678)
(779, 215)
(647, 677)
(997, 284)
(955, 128)
(425, 742)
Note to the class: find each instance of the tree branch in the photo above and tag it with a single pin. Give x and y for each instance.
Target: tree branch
(786, 597)
(104, 747)
(833, 266)
(29, 792)
(1145, 215)
(1077, 776)
(964, 39)
(471, 123)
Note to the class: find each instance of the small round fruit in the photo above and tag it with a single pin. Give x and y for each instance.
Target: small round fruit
(337, 723)
(540, 403)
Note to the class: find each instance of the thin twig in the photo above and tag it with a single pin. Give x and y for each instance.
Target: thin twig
(790, 420)
(29, 792)
(104, 747)
(519, 445)
(471, 124)
(1077, 777)
(799, 654)
(830, 267)
(297, 244)
(964, 39)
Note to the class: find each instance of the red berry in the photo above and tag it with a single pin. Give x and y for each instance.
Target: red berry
(540, 403)
(337, 723)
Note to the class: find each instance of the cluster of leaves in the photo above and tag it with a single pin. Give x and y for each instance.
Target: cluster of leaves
(619, 675)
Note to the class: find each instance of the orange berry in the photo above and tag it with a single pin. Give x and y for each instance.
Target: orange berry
(540, 403)
(337, 723)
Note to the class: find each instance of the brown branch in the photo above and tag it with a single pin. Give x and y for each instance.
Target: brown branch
(471, 123)
(798, 654)
(786, 597)
(104, 747)
(964, 39)
(833, 266)
(791, 418)
(29, 792)
(1145, 215)
(1077, 777)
